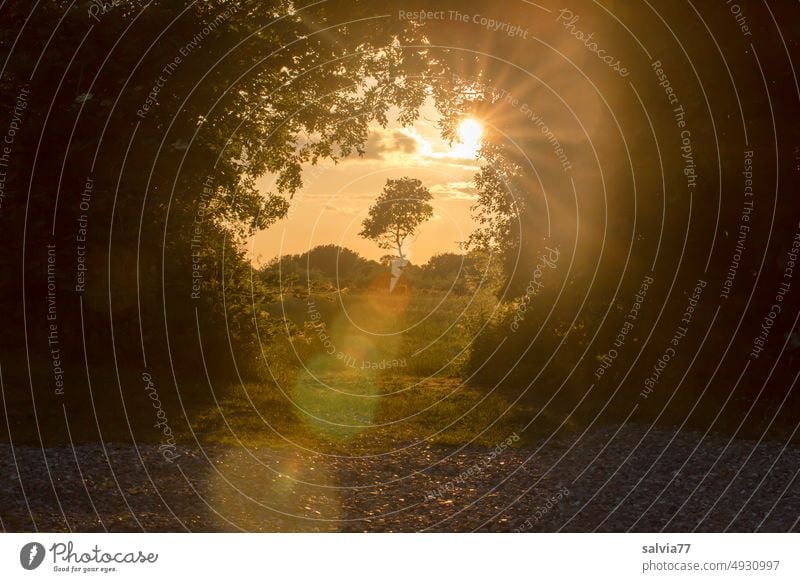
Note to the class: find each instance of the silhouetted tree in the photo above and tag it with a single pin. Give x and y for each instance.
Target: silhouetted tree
(397, 214)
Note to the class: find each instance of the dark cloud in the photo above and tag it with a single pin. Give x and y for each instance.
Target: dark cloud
(403, 142)
(379, 143)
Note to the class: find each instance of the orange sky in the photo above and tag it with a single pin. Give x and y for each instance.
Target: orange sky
(335, 198)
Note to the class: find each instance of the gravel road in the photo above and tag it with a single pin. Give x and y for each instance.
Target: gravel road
(611, 479)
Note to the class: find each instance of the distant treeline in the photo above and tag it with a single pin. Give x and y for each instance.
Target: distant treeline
(332, 267)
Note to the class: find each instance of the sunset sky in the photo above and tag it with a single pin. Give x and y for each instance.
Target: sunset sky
(334, 200)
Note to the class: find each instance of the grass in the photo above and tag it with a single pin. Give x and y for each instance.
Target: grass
(363, 372)
(428, 331)
(348, 413)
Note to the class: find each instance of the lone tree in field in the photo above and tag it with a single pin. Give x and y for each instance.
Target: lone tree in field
(397, 213)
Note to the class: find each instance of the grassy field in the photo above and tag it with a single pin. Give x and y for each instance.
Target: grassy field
(364, 372)
(423, 333)
(339, 414)
(340, 373)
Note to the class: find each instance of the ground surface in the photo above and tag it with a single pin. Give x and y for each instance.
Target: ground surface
(611, 479)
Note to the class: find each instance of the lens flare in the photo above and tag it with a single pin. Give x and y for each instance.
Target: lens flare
(469, 135)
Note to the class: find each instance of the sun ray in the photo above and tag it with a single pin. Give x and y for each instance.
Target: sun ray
(470, 132)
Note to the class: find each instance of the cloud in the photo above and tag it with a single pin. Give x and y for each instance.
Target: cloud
(454, 191)
(375, 147)
(382, 143)
(407, 145)
(346, 205)
(404, 143)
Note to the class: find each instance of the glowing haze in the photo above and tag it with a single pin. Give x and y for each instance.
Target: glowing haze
(335, 197)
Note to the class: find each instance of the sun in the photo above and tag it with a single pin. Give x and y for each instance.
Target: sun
(469, 136)
(470, 131)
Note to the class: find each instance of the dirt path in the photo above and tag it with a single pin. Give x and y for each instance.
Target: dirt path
(611, 480)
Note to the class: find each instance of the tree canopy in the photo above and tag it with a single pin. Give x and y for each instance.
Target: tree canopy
(172, 111)
(396, 215)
